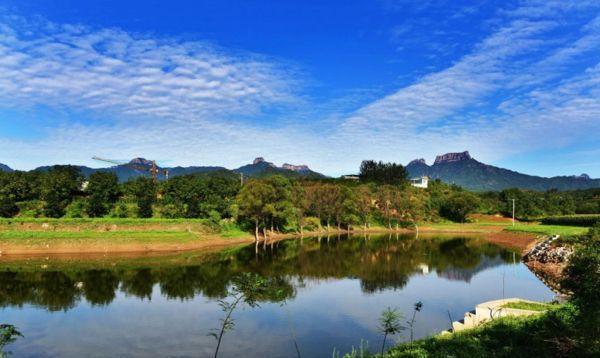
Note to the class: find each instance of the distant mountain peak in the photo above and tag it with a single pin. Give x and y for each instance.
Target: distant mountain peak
(461, 169)
(258, 160)
(452, 157)
(140, 161)
(417, 161)
(5, 168)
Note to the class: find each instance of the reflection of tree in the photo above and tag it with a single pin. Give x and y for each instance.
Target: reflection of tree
(138, 283)
(100, 286)
(379, 263)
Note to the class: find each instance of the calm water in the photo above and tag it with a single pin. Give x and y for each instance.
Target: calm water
(334, 291)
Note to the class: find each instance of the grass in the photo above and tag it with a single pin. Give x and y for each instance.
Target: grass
(552, 334)
(39, 237)
(531, 306)
(548, 229)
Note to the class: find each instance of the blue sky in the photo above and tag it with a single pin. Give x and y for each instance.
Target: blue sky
(323, 83)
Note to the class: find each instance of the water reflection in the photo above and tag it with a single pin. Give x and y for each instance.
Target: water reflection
(379, 263)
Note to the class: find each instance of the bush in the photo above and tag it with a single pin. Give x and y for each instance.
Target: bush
(122, 209)
(30, 209)
(77, 209)
(312, 224)
(459, 206)
(572, 220)
(583, 279)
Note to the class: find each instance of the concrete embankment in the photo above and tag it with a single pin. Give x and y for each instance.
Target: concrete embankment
(488, 311)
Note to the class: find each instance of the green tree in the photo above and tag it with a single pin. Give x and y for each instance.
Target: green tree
(383, 173)
(279, 206)
(144, 191)
(252, 201)
(364, 204)
(301, 205)
(59, 186)
(103, 191)
(386, 195)
(459, 205)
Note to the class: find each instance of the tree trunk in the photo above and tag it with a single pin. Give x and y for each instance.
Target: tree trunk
(397, 227)
(256, 231)
(265, 240)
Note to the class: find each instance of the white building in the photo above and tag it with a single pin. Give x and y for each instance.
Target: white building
(420, 182)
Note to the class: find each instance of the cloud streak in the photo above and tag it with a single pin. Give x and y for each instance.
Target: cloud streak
(131, 74)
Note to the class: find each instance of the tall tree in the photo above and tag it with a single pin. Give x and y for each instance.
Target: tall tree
(364, 203)
(252, 201)
(385, 197)
(301, 205)
(383, 173)
(103, 190)
(144, 191)
(59, 186)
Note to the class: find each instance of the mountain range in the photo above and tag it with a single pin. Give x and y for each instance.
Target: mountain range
(454, 168)
(463, 170)
(140, 167)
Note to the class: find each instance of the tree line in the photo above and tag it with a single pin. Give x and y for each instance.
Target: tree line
(383, 196)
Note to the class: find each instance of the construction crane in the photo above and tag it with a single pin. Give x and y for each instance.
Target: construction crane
(153, 169)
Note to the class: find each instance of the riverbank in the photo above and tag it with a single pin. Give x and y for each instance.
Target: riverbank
(112, 235)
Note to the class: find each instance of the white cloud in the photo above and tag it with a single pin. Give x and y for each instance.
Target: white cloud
(544, 101)
(533, 82)
(131, 74)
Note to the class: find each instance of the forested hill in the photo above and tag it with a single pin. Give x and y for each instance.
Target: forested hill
(5, 168)
(259, 168)
(461, 169)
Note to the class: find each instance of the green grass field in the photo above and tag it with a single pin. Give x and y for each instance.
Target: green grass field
(532, 306)
(547, 229)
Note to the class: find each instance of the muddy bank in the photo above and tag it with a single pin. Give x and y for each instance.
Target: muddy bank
(210, 242)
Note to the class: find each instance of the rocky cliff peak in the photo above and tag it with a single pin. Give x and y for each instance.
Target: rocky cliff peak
(296, 168)
(452, 157)
(259, 160)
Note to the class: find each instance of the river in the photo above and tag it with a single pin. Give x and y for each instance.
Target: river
(324, 294)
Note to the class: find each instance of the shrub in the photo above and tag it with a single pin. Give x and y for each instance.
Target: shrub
(122, 209)
(30, 209)
(77, 209)
(312, 224)
(583, 279)
(572, 220)
(459, 206)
